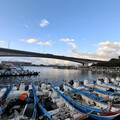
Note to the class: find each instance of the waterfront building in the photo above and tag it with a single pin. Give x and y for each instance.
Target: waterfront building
(16, 63)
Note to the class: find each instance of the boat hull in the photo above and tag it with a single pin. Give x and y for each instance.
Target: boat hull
(99, 114)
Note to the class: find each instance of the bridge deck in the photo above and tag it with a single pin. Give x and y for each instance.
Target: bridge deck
(4, 52)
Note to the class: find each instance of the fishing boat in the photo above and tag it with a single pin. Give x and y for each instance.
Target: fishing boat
(107, 83)
(4, 96)
(15, 102)
(103, 96)
(30, 110)
(39, 111)
(35, 106)
(102, 93)
(90, 111)
(52, 106)
(101, 87)
(117, 88)
(16, 71)
(92, 97)
(70, 106)
(93, 111)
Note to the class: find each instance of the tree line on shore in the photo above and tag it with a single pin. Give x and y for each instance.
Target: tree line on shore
(111, 63)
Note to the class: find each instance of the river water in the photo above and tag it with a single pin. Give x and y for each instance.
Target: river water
(52, 75)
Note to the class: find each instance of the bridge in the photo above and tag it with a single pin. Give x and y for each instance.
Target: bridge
(4, 52)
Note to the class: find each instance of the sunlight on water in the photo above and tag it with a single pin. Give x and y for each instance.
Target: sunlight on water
(49, 74)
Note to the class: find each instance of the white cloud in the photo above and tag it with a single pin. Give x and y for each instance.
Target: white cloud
(44, 23)
(106, 50)
(49, 61)
(73, 44)
(108, 45)
(2, 42)
(67, 40)
(30, 40)
(36, 41)
(45, 43)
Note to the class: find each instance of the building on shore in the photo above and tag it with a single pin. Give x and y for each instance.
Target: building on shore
(16, 63)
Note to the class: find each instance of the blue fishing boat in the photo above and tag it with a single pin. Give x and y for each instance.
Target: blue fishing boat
(82, 116)
(90, 97)
(56, 108)
(107, 96)
(39, 111)
(105, 88)
(19, 103)
(103, 93)
(95, 112)
(111, 86)
(5, 95)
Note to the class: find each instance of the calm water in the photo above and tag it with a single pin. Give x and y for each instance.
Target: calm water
(49, 74)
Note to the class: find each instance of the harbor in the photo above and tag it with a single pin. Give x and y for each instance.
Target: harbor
(60, 60)
(41, 84)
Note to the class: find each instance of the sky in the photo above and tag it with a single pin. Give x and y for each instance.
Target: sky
(78, 28)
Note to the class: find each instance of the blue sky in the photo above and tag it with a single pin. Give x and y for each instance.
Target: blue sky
(80, 28)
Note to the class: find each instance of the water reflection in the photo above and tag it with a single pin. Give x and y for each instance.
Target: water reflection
(54, 76)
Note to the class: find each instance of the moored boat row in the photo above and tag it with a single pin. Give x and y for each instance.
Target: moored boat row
(16, 71)
(46, 102)
(97, 106)
(39, 103)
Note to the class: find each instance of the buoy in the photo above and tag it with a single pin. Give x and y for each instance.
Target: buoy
(23, 96)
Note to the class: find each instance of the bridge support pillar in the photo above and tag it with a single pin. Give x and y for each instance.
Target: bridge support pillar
(84, 64)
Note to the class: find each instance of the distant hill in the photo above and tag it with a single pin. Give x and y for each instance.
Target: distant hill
(112, 63)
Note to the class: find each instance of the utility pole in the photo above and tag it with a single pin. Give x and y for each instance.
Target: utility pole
(9, 44)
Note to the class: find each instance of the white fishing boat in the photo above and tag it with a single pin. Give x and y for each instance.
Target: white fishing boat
(63, 110)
